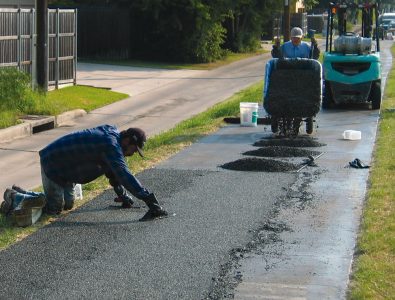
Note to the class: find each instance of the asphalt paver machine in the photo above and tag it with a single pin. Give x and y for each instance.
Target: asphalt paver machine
(292, 94)
(351, 62)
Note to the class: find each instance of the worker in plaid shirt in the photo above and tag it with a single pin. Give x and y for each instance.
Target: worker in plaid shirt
(82, 156)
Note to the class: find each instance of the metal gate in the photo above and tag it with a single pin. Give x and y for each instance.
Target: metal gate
(18, 39)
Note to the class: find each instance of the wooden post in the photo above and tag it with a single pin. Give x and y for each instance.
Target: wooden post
(286, 18)
(42, 44)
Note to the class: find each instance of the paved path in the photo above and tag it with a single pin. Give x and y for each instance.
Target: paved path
(160, 99)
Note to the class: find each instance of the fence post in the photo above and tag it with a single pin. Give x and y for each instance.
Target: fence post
(75, 46)
(42, 44)
(33, 47)
(19, 38)
(57, 53)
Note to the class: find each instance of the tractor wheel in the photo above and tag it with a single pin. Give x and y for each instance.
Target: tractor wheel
(375, 95)
(274, 124)
(309, 125)
(327, 100)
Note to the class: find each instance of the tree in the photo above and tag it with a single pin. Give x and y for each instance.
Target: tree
(190, 30)
(245, 22)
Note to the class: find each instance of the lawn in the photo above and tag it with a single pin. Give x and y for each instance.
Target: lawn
(59, 101)
(374, 268)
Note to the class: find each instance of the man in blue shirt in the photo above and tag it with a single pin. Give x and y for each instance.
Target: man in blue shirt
(81, 157)
(296, 48)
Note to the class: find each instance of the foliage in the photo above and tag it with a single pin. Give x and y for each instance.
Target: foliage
(15, 90)
(185, 31)
(56, 102)
(310, 3)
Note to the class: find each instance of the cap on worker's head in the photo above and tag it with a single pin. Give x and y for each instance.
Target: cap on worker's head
(137, 137)
(296, 32)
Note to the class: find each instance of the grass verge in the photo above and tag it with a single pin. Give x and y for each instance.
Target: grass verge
(62, 100)
(374, 267)
(157, 149)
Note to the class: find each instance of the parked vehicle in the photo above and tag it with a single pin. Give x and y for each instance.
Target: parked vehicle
(386, 24)
(352, 66)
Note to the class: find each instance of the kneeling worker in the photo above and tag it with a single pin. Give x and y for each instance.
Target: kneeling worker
(81, 157)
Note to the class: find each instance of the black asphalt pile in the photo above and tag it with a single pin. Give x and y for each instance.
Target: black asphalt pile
(281, 151)
(298, 142)
(293, 93)
(259, 164)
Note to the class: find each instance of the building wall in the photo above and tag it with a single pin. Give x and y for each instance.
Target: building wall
(299, 7)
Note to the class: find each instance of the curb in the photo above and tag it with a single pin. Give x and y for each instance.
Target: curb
(34, 124)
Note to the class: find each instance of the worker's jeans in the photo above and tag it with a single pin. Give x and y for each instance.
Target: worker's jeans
(28, 196)
(55, 194)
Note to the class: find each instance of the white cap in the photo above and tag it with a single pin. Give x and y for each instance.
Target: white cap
(296, 32)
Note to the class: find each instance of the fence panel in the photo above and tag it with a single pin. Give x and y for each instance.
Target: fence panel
(16, 32)
(62, 41)
(17, 43)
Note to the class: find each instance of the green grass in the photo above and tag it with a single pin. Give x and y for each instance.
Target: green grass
(84, 97)
(374, 268)
(62, 100)
(231, 57)
(157, 148)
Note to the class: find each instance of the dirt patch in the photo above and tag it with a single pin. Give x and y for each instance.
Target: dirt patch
(298, 142)
(281, 151)
(259, 164)
(293, 93)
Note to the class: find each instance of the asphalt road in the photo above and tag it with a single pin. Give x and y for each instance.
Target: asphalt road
(243, 234)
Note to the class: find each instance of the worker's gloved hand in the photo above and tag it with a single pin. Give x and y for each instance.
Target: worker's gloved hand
(155, 211)
(126, 201)
(276, 52)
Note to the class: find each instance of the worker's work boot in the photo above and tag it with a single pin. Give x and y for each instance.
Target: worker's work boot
(6, 205)
(19, 189)
(155, 211)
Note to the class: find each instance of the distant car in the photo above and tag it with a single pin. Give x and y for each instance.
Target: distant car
(386, 24)
(387, 21)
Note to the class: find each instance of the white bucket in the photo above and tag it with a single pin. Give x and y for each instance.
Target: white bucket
(351, 135)
(78, 191)
(248, 114)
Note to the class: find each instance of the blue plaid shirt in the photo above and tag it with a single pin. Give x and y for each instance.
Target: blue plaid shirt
(82, 156)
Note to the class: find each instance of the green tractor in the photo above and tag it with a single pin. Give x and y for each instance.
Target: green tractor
(351, 62)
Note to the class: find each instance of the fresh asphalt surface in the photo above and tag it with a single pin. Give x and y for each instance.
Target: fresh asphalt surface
(276, 235)
(102, 252)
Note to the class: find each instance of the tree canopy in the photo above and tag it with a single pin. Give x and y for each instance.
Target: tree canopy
(190, 30)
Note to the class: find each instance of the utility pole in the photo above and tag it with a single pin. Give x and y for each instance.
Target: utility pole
(286, 19)
(42, 44)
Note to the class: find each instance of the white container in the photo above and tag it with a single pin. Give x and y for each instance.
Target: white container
(351, 135)
(78, 191)
(248, 114)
